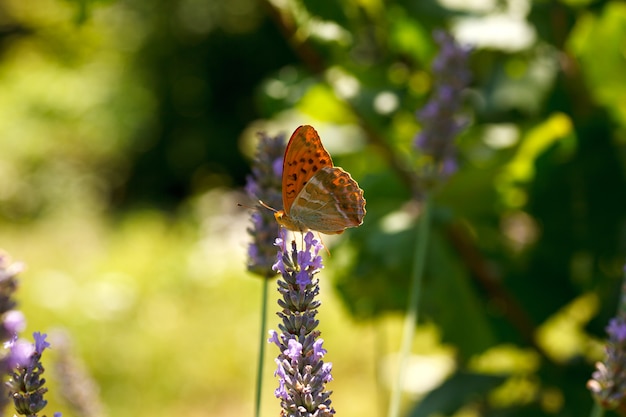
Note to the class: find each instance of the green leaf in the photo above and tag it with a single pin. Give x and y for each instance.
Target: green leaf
(456, 392)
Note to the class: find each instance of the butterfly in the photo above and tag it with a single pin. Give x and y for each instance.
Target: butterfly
(317, 195)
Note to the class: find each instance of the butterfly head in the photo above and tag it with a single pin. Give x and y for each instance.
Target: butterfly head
(283, 219)
(288, 222)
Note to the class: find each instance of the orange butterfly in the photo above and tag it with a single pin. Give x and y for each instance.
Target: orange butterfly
(317, 195)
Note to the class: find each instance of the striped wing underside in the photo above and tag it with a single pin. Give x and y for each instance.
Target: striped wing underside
(330, 202)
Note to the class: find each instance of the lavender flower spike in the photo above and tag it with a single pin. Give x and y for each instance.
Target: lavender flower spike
(265, 184)
(302, 374)
(439, 117)
(26, 386)
(608, 382)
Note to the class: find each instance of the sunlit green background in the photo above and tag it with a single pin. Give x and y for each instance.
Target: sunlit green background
(126, 132)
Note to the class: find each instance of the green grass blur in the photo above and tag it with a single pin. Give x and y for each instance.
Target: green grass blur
(163, 314)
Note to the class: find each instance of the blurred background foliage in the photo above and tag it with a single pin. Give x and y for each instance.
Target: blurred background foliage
(126, 131)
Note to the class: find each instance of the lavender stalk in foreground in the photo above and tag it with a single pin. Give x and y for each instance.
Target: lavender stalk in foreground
(301, 371)
(22, 362)
(26, 386)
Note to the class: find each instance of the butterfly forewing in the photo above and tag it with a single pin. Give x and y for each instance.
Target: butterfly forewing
(304, 157)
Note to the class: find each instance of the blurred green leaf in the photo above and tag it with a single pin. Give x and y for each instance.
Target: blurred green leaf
(598, 42)
(457, 391)
(452, 302)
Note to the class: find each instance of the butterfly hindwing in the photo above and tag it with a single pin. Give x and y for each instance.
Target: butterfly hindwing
(330, 202)
(304, 156)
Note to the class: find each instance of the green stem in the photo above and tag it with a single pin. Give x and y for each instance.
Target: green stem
(596, 411)
(262, 343)
(410, 319)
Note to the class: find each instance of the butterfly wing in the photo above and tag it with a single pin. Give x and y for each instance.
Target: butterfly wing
(304, 157)
(330, 202)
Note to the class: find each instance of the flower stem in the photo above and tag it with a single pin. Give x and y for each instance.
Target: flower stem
(262, 342)
(410, 319)
(597, 410)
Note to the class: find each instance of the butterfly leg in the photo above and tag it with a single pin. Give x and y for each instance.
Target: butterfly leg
(319, 235)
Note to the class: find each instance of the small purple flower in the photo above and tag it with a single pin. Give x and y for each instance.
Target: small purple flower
(293, 351)
(20, 354)
(279, 265)
(325, 372)
(265, 185)
(40, 342)
(280, 392)
(274, 338)
(301, 372)
(439, 117)
(14, 321)
(318, 350)
(616, 330)
(304, 259)
(313, 262)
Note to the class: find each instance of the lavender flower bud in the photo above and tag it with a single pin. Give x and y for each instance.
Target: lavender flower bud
(439, 117)
(265, 184)
(14, 321)
(302, 374)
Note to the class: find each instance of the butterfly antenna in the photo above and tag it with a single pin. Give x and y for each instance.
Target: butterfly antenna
(248, 207)
(267, 207)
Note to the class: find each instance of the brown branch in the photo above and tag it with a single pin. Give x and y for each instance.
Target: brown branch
(458, 237)
(287, 27)
(490, 281)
